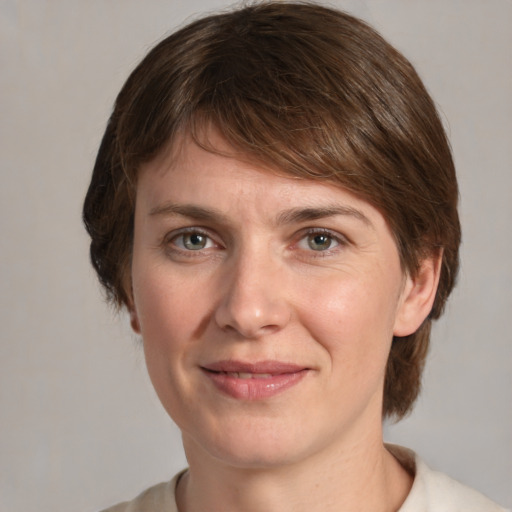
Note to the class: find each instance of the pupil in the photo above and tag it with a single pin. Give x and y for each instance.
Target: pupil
(194, 241)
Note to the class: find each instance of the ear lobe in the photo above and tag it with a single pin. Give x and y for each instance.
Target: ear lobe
(418, 296)
(130, 306)
(134, 319)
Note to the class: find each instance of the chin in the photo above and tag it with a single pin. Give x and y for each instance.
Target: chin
(257, 457)
(253, 445)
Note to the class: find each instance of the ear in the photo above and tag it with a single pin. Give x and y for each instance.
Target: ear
(134, 318)
(418, 296)
(130, 304)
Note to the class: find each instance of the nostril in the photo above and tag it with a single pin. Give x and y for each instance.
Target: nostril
(251, 325)
(252, 304)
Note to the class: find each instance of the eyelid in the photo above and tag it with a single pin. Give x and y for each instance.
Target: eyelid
(168, 239)
(341, 240)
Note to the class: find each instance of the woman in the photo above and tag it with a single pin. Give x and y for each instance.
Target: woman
(274, 202)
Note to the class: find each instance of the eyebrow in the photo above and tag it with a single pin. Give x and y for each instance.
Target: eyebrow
(291, 216)
(297, 215)
(189, 210)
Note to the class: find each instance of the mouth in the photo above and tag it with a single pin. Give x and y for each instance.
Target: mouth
(245, 375)
(253, 381)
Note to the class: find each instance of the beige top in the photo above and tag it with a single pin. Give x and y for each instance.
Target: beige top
(431, 492)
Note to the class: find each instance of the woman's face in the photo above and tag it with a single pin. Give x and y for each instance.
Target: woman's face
(267, 306)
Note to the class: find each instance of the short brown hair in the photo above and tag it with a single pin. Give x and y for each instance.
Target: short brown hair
(307, 90)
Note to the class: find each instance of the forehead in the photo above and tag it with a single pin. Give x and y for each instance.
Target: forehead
(222, 180)
(207, 152)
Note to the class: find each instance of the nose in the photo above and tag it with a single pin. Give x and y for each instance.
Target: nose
(254, 301)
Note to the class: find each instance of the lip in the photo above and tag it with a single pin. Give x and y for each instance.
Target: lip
(253, 381)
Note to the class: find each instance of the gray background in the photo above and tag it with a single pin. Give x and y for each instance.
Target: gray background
(80, 425)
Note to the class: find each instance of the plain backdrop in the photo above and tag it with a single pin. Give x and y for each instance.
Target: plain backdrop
(80, 425)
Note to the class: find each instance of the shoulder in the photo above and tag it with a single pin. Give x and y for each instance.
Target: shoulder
(444, 493)
(155, 499)
(433, 491)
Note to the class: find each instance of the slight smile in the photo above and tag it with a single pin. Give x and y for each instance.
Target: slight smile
(253, 381)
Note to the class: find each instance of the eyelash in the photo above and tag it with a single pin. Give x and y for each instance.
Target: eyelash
(340, 240)
(170, 245)
(169, 242)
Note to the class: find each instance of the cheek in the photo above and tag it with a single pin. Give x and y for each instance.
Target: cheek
(169, 319)
(167, 314)
(354, 324)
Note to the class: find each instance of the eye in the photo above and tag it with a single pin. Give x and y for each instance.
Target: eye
(192, 241)
(319, 241)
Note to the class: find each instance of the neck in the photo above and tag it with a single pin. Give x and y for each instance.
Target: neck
(360, 476)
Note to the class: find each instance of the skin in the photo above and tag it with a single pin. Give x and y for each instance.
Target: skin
(234, 262)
